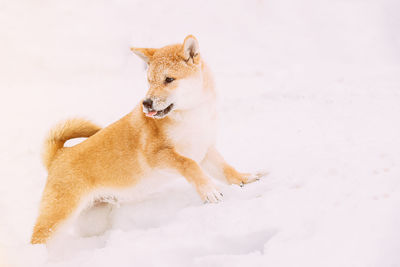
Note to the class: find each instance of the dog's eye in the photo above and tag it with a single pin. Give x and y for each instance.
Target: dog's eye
(169, 80)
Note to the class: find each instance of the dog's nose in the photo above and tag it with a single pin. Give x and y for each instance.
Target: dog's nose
(148, 103)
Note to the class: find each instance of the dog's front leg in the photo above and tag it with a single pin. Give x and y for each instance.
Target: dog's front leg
(216, 166)
(193, 174)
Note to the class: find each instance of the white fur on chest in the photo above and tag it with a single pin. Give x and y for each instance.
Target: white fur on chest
(194, 131)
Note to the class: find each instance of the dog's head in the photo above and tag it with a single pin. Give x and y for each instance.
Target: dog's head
(174, 75)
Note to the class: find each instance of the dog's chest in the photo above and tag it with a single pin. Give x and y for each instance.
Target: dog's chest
(194, 132)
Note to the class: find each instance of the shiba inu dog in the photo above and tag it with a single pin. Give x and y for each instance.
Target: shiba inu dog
(173, 127)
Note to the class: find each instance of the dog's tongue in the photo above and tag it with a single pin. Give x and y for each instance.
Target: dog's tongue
(151, 113)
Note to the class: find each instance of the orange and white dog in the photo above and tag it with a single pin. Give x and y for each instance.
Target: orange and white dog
(174, 127)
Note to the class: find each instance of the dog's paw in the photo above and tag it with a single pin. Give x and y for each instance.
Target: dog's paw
(210, 194)
(252, 177)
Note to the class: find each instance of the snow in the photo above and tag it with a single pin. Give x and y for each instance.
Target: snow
(309, 91)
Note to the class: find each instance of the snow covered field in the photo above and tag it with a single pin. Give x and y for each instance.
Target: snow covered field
(309, 91)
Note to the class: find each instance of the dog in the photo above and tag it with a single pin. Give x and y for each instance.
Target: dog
(173, 127)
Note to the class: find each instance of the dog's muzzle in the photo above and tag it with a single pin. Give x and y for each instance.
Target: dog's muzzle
(150, 111)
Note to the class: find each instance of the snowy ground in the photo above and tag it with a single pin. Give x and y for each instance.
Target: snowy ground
(309, 91)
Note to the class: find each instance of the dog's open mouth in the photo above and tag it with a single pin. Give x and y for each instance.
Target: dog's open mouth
(159, 113)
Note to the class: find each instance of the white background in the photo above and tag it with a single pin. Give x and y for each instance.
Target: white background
(309, 91)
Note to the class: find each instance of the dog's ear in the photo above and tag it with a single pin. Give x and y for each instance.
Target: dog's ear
(144, 53)
(191, 51)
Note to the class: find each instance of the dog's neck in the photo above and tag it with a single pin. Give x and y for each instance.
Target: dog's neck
(208, 79)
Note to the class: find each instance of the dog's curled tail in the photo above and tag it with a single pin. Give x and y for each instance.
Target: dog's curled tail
(72, 128)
